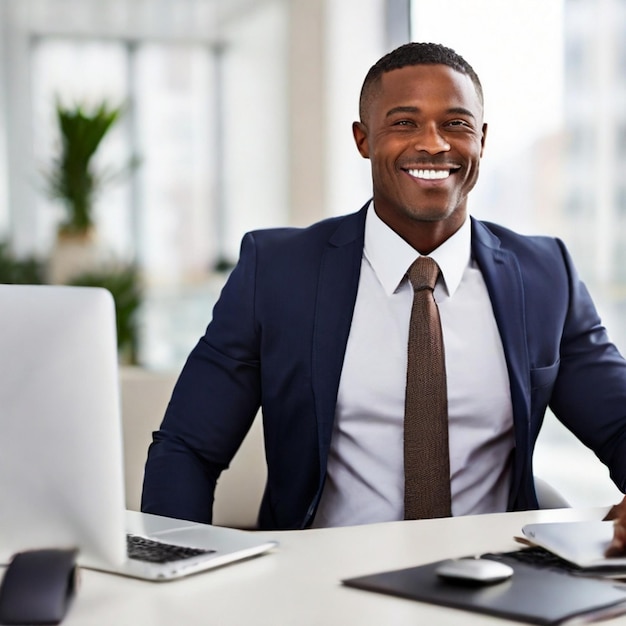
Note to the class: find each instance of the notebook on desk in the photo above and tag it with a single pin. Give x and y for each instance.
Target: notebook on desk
(61, 461)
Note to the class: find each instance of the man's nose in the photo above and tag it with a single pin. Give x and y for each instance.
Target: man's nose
(430, 140)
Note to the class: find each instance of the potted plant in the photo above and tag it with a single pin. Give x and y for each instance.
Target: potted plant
(74, 180)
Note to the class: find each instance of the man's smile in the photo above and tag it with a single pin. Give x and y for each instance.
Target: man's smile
(431, 173)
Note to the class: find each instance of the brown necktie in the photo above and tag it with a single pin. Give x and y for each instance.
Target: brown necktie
(426, 453)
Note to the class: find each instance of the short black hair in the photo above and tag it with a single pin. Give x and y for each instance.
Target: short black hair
(415, 53)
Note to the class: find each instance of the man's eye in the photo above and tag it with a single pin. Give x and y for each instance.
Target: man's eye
(458, 123)
(403, 123)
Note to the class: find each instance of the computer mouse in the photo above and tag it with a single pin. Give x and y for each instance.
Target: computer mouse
(38, 586)
(474, 571)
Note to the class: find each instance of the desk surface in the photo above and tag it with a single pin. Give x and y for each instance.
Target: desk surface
(299, 583)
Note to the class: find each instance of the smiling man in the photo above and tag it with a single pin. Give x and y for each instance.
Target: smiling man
(315, 327)
(422, 128)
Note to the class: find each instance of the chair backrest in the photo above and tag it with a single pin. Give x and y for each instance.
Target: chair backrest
(548, 496)
(240, 488)
(144, 396)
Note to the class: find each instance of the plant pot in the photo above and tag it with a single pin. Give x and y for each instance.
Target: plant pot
(73, 254)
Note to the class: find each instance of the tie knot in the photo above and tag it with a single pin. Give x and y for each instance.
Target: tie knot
(423, 273)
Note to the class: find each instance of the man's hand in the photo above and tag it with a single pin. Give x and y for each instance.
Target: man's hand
(617, 513)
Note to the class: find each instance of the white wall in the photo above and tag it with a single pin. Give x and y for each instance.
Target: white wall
(4, 200)
(332, 46)
(20, 162)
(352, 46)
(256, 114)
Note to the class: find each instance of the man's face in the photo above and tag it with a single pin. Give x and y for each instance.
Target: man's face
(424, 135)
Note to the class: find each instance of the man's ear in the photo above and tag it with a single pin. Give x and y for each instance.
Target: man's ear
(482, 140)
(359, 131)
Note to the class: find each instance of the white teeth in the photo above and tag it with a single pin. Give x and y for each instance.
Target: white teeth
(430, 174)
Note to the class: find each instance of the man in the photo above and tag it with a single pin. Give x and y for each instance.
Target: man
(312, 327)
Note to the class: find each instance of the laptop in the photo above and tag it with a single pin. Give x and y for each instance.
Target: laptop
(581, 543)
(61, 455)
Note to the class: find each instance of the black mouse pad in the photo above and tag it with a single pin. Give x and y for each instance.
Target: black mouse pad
(533, 595)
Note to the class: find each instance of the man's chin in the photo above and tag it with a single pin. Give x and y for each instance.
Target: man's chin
(430, 215)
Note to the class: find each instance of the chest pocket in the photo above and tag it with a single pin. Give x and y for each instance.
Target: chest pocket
(544, 376)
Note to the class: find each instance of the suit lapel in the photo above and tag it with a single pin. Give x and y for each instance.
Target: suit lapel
(503, 278)
(336, 294)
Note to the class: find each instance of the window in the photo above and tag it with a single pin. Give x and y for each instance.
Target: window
(554, 82)
(205, 85)
(160, 214)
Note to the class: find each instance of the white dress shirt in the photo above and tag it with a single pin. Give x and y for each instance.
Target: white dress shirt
(365, 473)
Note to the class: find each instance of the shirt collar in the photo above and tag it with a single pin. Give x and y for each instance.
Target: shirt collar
(390, 256)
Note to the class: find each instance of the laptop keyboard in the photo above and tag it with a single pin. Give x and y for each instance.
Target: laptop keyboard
(142, 549)
(536, 556)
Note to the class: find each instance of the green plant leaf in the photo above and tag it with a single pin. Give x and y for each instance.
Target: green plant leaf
(72, 177)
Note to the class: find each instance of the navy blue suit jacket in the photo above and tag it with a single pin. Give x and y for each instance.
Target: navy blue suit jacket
(277, 341)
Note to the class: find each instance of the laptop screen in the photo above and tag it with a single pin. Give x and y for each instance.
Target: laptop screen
(61, 469)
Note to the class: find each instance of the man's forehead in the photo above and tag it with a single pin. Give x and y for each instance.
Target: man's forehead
(428, 81)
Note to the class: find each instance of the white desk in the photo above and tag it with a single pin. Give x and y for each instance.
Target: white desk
(299, 583)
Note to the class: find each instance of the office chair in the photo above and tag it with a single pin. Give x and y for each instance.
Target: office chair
(144, 396)
(548, 496)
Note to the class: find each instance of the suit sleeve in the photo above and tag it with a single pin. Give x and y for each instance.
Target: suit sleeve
(589, 395)
(212, 407)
